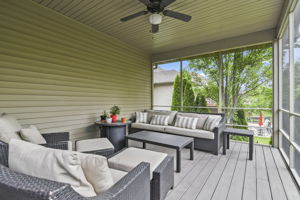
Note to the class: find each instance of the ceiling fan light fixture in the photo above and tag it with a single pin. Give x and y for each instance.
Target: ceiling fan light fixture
(155, 19)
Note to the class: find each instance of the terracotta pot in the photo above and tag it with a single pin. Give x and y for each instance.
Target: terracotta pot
(114, 118)
(123, 119)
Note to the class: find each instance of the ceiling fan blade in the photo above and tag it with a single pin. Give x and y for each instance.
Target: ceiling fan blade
(155, 28)
(124, 19)
(177, 15)
(165, 3)
(146, 2)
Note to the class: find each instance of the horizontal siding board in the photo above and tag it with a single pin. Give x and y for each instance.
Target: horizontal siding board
(60, 89)
(65, 77)
(60, 75)
(36, 109)
(46, 60)
(39, 19)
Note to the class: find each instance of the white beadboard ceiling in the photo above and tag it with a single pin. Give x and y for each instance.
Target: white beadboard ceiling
(212, 20)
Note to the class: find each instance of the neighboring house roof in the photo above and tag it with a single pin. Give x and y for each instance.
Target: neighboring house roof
(162, 76)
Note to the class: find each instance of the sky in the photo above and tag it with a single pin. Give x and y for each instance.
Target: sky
(174, 65)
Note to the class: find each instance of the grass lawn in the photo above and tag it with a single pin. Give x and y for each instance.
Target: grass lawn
(262, 140)
(257, 139)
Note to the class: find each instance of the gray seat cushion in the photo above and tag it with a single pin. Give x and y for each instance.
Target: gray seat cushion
(190, 132)
(131, 157)
(151, 127)
(93, 144)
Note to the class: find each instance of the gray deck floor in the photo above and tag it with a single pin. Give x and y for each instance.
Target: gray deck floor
(232, 176)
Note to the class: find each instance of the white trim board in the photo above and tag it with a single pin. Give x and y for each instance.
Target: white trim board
(266, 36)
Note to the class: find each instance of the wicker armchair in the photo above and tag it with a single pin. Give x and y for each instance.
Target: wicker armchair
(16, 186)
(59, 140)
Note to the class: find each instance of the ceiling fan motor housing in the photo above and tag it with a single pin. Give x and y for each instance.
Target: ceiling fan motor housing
(155, 6)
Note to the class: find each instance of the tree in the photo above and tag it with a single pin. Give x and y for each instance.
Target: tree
(186, 79)
(176, 94)
(240, 119)
(188, 97)
(243, 72)
(201, 102)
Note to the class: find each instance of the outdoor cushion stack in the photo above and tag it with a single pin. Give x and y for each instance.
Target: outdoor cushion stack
(88, 174)
(186, 124)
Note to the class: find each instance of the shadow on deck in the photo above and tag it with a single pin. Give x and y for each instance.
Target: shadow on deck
(232, 176)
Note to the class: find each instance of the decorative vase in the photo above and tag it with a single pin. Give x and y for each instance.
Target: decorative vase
(114, 118)
(108, 120)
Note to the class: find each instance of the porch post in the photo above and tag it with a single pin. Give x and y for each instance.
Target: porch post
(292, 89)
(275, 110)
(181, 87)
(220, 82)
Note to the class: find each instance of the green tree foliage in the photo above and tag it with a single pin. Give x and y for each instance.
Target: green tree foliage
(188, 93)
(240, 119)
(244, 72)
(176, 94)
(188, 97)
(201, 102)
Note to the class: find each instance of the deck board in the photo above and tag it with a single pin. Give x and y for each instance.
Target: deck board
(236, 187)
(232, 176)
(276, 186)
(262, 180)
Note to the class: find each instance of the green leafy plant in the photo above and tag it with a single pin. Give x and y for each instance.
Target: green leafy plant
(115, 110)
(104, 115)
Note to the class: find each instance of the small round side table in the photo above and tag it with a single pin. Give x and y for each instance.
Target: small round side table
(114, 132)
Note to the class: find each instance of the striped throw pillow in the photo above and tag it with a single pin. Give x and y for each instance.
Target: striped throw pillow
(141, 117)
(160, 120)
(186, 122)
(211, 123)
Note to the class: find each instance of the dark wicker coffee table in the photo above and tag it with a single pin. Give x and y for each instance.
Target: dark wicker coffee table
(165, 140)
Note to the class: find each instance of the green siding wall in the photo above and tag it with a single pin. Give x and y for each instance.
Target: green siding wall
(60, 75)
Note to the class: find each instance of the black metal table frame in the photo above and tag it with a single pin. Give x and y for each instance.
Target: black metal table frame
(190, 145)
(226, 140)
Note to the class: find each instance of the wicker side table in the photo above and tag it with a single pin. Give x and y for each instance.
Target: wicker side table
(240, 132)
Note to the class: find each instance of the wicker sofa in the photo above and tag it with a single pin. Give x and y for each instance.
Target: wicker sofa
(135, 185)
(210, 141)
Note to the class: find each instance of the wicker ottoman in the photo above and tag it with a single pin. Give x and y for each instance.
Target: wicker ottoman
(161, 168)
(99, 146)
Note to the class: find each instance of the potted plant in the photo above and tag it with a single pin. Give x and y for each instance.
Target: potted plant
(114, 111)
(104, 116)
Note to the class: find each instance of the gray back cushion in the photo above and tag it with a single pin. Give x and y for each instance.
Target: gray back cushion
(171, 114)
(202, 118)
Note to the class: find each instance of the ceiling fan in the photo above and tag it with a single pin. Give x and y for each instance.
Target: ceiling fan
(157, 9)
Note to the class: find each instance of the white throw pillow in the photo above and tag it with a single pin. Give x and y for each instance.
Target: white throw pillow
(186, 122)
(141, 117)
(96, 171)
(52, 164)
(33, 135)
(9, 128)
(211, 123)
(160, 120)
(171, 114)
(201, 118)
